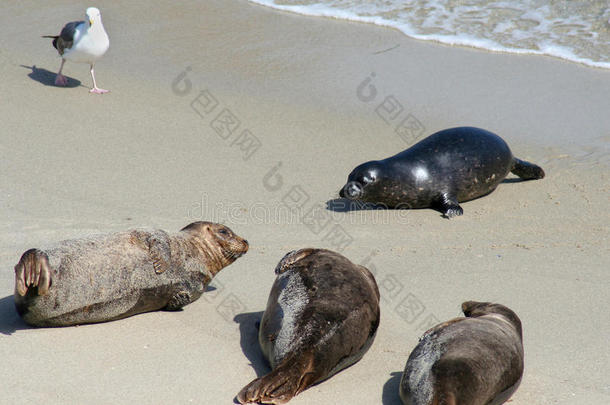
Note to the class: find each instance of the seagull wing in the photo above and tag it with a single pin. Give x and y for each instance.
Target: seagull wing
(69, 34)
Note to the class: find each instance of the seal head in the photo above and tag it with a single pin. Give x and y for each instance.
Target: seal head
(364, 182)
(216, 243)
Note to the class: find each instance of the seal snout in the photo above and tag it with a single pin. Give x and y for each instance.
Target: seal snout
(239, 249)
(245, 247)
(351, 190)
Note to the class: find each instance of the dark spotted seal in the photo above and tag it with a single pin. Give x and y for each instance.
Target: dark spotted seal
(476, 360)
(321, 317)
(108, 277)
(446, 168)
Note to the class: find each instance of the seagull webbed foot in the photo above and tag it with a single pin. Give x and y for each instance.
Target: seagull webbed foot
(60, 80)
(97, 90)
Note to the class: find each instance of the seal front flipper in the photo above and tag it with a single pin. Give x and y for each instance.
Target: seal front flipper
(32, 271)
(279, 386)
(449, 206)
(291, 258)
(159, 251)
(526, 170)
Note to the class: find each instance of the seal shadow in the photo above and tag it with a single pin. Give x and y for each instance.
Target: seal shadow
(10, 321)
(346, 205)
(390, 395)
(248, 330)
(47, 77)
(513, 180)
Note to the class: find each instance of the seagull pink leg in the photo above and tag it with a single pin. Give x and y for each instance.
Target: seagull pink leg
(96, 89)
(60, 80)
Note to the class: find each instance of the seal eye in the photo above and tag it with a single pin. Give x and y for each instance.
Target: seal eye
(369, 177)
(223, 232)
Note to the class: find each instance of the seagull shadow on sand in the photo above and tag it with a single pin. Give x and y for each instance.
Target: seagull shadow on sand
(390, 390)
(47, 77)
(10, 321)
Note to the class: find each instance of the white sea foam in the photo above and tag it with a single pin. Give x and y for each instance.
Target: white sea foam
(577, 31)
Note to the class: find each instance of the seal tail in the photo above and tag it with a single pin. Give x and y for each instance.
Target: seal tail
(526, 170)
(280, 385)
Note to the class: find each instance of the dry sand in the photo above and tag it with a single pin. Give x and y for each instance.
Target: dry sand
(74, 164)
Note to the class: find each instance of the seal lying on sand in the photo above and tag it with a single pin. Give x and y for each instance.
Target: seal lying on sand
(477, 360)
(321, 317)
(108, 277)
(448, 167)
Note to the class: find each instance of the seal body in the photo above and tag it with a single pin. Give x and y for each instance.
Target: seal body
(321, 317)
(108, 277)
(476, 360)
(448, 167)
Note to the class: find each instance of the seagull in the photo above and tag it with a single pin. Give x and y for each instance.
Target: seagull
(82, 42)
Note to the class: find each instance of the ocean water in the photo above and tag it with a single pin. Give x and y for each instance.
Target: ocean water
(575, 30)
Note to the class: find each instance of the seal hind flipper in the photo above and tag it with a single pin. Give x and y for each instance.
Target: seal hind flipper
(449, 205)
(526, 170)
(282, 384)
(33, 271)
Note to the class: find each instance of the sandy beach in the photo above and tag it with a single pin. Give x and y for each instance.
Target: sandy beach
(307, 97)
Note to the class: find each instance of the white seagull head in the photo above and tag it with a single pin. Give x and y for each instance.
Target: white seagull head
(93, 15)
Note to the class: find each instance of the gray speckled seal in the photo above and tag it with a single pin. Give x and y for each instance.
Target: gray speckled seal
(446, 168)
(476, 360)
(321, 317)
(107, 277)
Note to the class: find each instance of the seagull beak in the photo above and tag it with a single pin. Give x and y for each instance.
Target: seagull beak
(90, 21)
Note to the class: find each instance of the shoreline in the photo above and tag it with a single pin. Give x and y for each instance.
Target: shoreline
(451, 40)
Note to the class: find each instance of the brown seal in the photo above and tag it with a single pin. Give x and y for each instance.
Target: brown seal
(108, 277)
(321, 317)
(476, 360)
